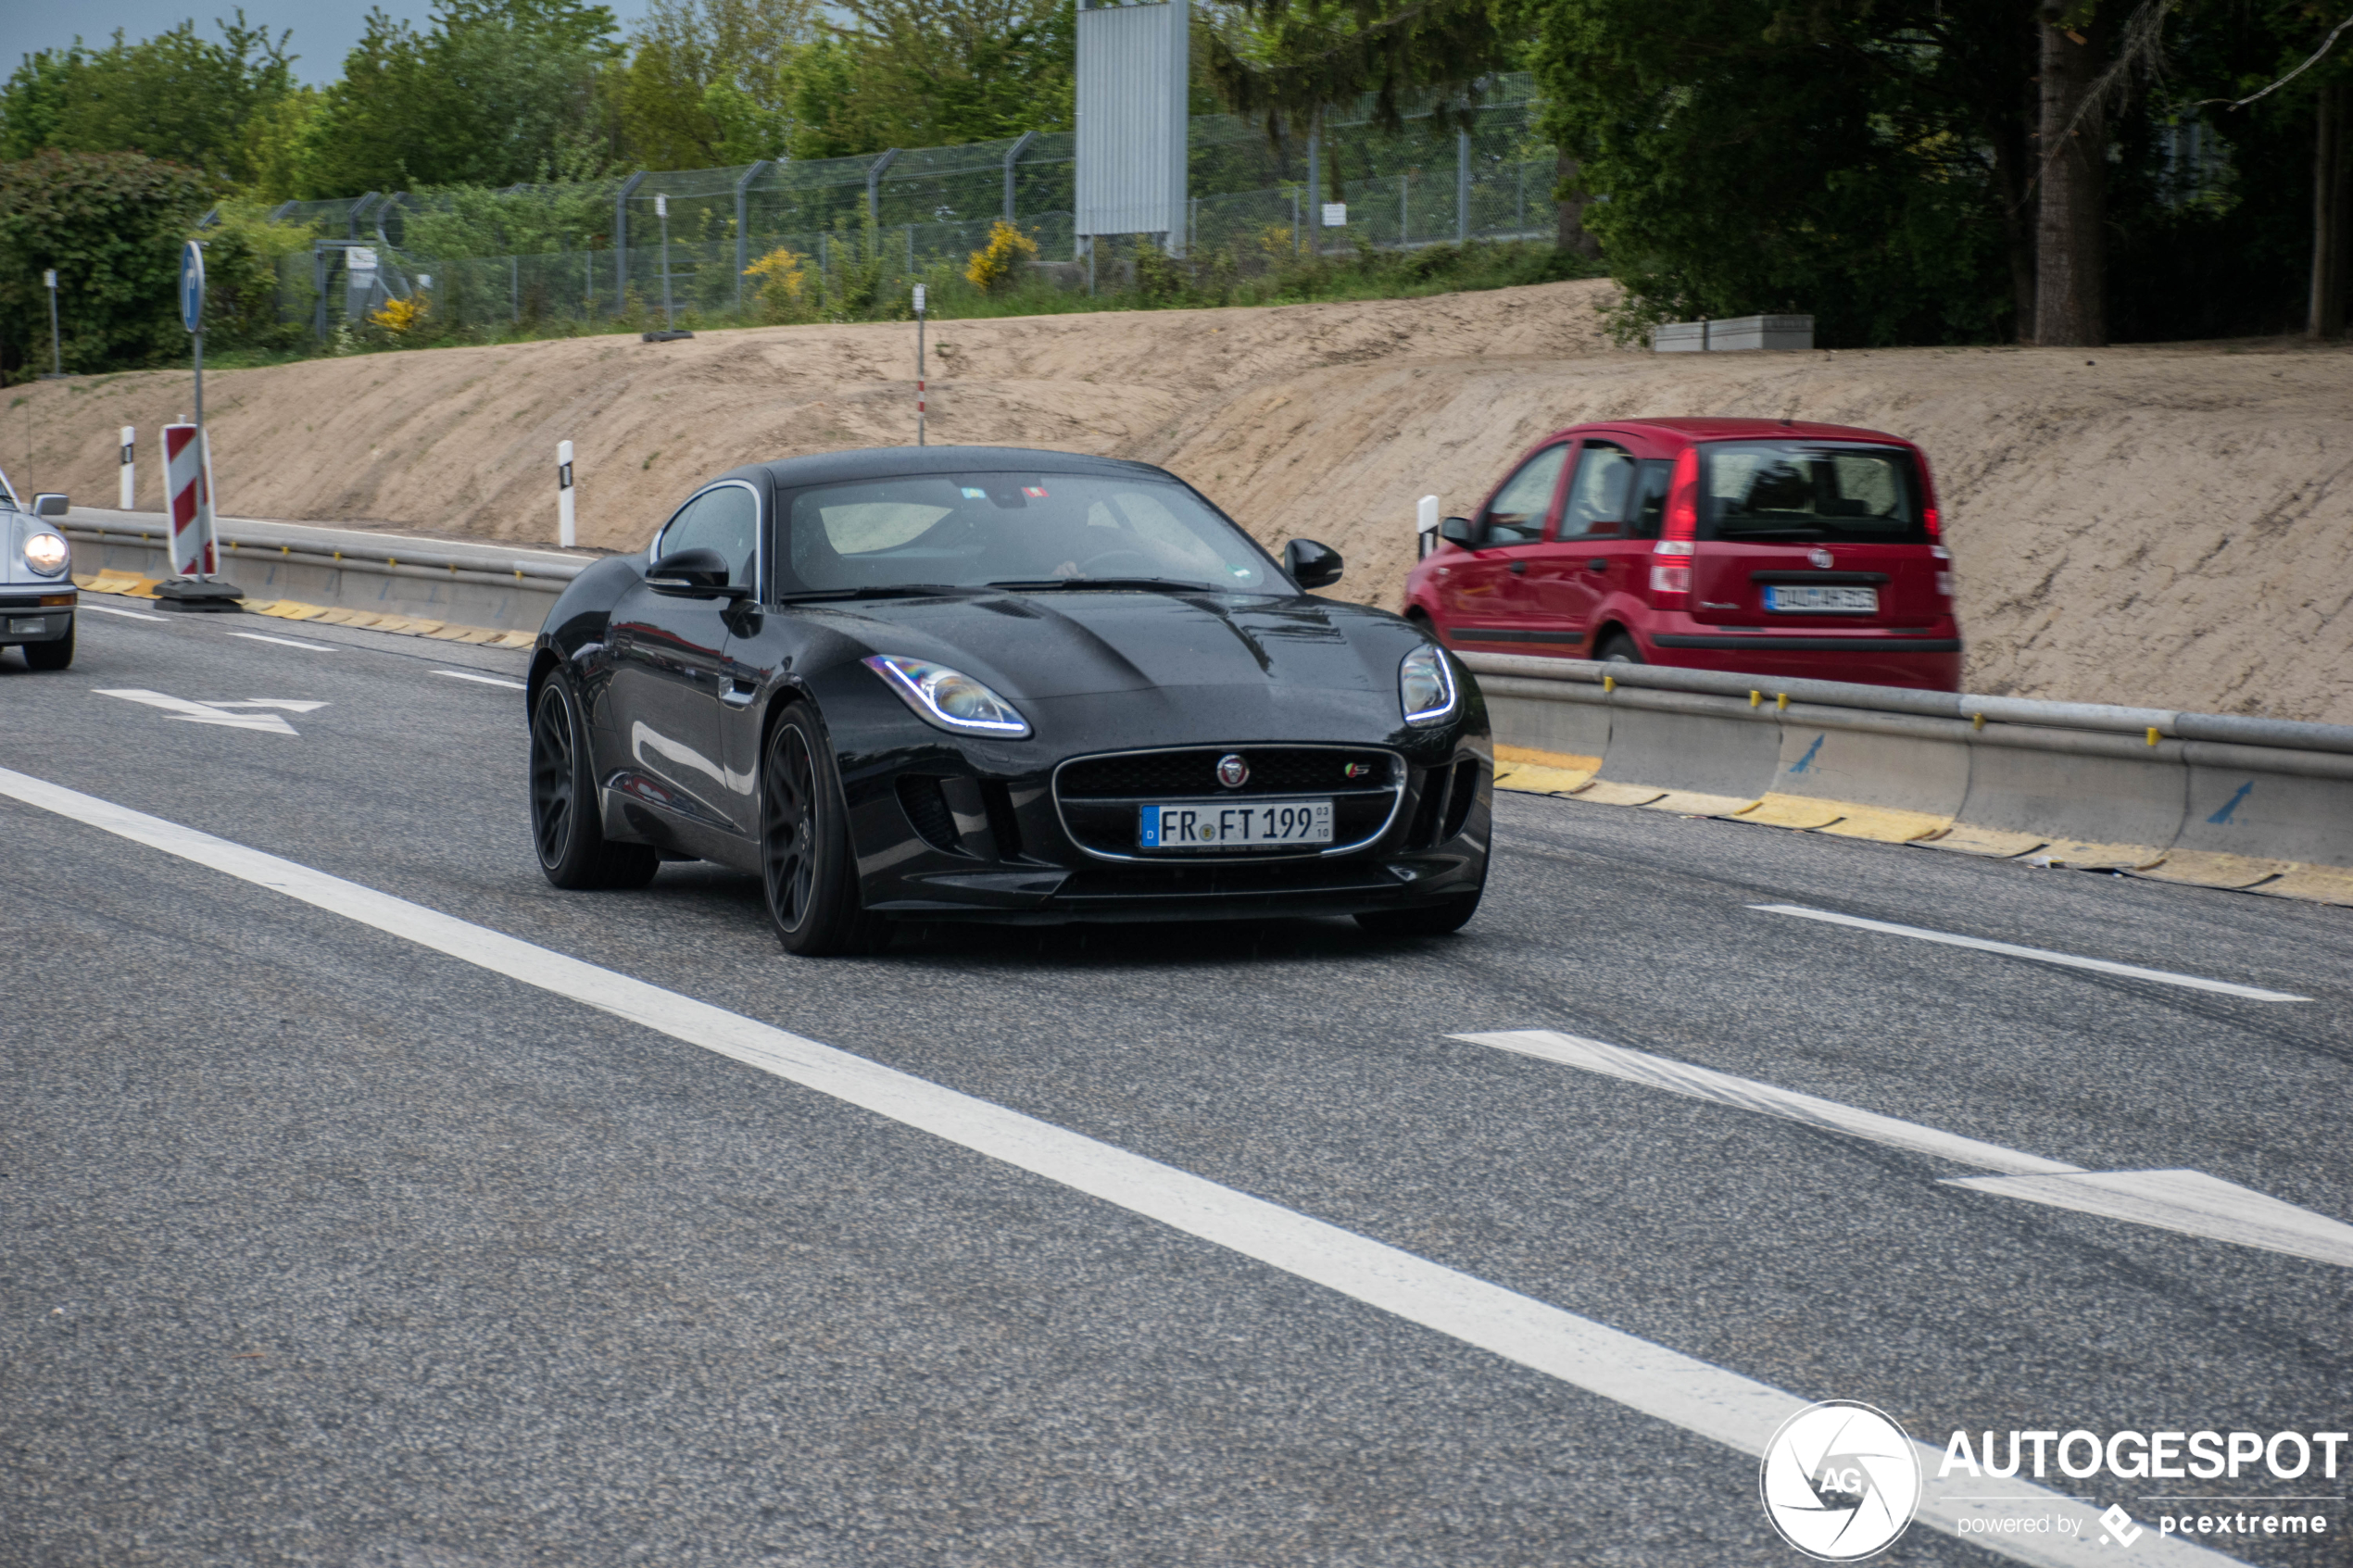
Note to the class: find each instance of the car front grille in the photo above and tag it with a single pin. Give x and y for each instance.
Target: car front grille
(1098, 797)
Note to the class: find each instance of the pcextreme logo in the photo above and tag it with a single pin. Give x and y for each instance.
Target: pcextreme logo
(1839, 1481)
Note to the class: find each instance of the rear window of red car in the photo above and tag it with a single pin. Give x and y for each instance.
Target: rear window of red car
(1796, 491)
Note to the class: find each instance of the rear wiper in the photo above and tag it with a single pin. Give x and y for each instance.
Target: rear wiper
(1049, 584)
(890, 591)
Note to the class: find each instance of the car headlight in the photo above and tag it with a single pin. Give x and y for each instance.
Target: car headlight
(1425, 686)
(949, 698)
(46, 553)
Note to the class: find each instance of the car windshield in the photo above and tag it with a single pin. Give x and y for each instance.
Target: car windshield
(1038, 531)
(1766, 490)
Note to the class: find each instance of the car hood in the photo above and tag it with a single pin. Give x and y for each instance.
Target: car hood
(1077, 643)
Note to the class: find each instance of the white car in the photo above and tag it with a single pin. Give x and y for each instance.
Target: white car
(37, 594)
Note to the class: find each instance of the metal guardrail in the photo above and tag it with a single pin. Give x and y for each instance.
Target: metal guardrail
(2223, 799)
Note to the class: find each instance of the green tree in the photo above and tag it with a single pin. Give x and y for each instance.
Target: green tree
(112, 224)
(176, 96)
(705, 85)
(492, 92)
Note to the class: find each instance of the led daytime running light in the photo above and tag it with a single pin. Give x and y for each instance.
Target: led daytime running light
(933, 690)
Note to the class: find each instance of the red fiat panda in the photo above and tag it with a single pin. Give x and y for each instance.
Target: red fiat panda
(1757, 545)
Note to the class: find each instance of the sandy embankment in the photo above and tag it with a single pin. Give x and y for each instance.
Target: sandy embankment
(2168, 525)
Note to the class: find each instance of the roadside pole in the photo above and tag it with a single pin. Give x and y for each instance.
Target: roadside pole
(187, 472)
(129, 466)
(56, 352)
(670, 333)
(919, 364)
(564, 494)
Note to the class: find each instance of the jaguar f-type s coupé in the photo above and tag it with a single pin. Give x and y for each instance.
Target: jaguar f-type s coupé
(943, 682)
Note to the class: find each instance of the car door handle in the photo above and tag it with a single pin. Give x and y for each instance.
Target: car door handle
(1519, 568)
(1601, 564)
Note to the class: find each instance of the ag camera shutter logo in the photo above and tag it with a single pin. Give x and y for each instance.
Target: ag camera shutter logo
(1839, 1481)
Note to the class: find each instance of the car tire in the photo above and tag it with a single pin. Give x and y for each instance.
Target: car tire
(808, 871)
(566, 827)
(1619, 650)
(1431, 919)
(51, 656)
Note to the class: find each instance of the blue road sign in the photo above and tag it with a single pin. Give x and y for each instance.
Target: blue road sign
(192, 287)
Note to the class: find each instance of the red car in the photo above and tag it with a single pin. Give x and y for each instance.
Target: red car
(1759, 545)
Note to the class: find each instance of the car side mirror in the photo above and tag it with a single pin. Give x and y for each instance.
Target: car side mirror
(49, 503)
(1311, 565)
(1459, 531)
(695, 573)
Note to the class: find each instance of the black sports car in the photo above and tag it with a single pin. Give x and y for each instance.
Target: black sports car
(984, 683)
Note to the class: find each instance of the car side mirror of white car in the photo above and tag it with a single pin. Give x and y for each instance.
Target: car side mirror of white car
(50, 503)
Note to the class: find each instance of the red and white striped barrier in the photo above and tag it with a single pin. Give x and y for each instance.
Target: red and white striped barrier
(187, 487)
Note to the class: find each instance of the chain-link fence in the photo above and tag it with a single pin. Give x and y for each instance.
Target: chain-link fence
(627, 250)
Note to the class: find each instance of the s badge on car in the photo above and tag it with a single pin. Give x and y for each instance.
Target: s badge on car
(1232, 772)
(1821, 559)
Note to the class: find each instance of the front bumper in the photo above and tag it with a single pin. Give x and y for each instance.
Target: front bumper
(28, 616)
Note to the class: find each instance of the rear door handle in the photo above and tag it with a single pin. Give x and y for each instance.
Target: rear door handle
(1598, 564)
(1519, 568)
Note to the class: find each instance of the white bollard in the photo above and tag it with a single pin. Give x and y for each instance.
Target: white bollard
(1426, 526)
(564, 532)
(129, 466)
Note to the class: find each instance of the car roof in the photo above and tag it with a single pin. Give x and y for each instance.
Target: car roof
(1724, 428)
(884, 462)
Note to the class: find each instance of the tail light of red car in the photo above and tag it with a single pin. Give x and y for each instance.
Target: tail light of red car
(1671, 556)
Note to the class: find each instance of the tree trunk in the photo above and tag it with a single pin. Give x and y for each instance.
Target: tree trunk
(2013, 180)
(2332, 183)
(1569, 191)
(2071, 308)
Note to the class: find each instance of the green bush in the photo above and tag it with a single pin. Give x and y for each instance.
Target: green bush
(112, 225)
(242, 254)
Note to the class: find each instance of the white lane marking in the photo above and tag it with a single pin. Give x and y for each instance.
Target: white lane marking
(2040, 955)
(1737, 1412)
(1747, 1093)
(2189, 1201)
(126, 614)
(285, 704)
(486, 679)
(198, 712)
(285, 641)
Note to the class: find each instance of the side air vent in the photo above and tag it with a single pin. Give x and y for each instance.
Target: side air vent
(926, 807)
(1459, 801)
(1003, 826)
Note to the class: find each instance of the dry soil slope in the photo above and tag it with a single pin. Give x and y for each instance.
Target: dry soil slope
(2165, 525)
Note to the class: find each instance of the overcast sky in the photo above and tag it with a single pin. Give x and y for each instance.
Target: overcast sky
(325, 30)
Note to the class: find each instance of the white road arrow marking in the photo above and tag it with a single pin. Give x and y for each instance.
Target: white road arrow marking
(486, 679)
(213, 712)
(2189, 1201)
(283, 704)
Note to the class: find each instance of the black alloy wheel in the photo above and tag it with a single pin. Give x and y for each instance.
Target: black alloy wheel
(565, 827)
(806, 864)
(51, 656)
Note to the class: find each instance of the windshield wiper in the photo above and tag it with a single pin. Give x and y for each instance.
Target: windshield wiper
(874, 591)
(1050, 584)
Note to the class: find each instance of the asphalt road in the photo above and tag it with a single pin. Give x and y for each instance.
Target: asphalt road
(320, 1247)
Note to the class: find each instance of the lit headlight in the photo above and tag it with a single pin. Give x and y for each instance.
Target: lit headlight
(949, 698)
(1425, 686)
(46, 554)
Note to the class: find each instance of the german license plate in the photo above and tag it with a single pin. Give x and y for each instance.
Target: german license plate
(27, 624)
(1212, 825)
(1794, 599)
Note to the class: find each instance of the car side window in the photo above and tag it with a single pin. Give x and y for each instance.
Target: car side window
(1650, 511)
(1517, 515)
(726, 519)
(1598, 495)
